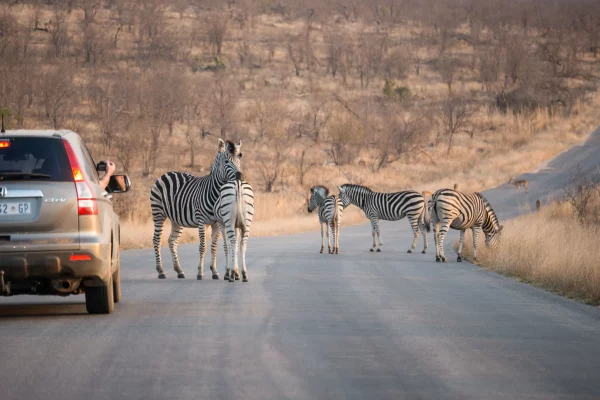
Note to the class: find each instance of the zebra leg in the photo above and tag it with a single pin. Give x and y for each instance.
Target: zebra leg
(243, 251)
(158, 228)
(333, 237)
(202, 250)
(424, 232)
(236, 245)
(329, 234)
(226, 249)
(414, 224)
(322, 238)
(229, 236)
(460, 246)
(445, 226)
(214, 246)
(436, 231)
(176, 231)
(374, 229)
(336, 245)
(475, 239)
(378, 235)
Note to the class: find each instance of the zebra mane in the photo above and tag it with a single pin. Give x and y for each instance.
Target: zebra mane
(320, 188)
(488, 206)
(353, 186)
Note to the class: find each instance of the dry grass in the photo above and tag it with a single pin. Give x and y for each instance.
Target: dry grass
(549, 249)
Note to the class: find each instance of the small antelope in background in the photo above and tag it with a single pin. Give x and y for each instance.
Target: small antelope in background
(519, 183)
(538, 205)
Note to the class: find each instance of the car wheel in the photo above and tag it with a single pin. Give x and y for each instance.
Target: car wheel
(100, 299)
(116, 281)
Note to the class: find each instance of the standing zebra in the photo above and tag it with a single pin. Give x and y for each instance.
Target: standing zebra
(188, 201)
(461, 211)
(235, 211)
(330, 215)
(389, 207)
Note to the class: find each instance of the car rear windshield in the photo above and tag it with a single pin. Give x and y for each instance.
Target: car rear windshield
(33, 158)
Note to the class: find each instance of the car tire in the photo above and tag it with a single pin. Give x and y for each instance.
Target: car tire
(100, 299)
(116, 281)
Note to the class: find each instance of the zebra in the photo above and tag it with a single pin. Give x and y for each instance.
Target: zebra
(330, 215)
(389, 207)
(188, 201)
(235, 211)
(461, 211)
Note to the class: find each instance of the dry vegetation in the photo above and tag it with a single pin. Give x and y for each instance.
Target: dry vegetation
(393, 94)
(556, 248)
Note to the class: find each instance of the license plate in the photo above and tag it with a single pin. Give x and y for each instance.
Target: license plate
(15, 208)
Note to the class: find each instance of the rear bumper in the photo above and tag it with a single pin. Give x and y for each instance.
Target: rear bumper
(48, 265)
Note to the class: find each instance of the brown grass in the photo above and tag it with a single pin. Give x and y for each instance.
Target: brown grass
(549, 249)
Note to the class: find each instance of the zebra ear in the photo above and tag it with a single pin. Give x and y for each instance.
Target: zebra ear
(312, 190)
(221, 144)
(341, 189)
(500, 229)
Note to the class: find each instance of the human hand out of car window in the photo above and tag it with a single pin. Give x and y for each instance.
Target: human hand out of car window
(110, 169)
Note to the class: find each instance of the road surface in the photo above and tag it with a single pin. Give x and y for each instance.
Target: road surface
(309, 326)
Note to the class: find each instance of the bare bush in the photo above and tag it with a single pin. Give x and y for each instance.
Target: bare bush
(346, 138)
(59, 93)
(584, 196)
(453, 116)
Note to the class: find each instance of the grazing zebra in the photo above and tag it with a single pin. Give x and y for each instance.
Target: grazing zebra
(188, 201)
(235, 211)
(389, 207)
(330, 215)
(461, 211)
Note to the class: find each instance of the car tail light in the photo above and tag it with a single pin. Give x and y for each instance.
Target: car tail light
(4, 143)
(80, 257)
(85, 198)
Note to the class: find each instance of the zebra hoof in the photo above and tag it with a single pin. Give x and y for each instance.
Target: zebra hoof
(379, 250)
(231, 278)
(409, 251)
(371, 250)
(162, 276)
(237, 277)
(321, 250)
(226, 276)
(459, 259)
(245, 280)
(444, 259)
(437, 259)
(199, 277)
(424, 252)
(181, 276)
(216, 277)
(245, 277)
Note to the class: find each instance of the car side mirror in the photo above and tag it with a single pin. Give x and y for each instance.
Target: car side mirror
(118, 184)
(101, 166)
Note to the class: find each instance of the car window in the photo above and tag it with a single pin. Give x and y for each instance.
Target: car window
(90, 165)
(34, 158)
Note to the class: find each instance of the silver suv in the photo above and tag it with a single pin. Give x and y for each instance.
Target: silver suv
(59, 234)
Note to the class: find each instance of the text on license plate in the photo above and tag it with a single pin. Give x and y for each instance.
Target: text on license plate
(15, 208)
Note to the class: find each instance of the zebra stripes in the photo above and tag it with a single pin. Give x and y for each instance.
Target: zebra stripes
(330, 215)
(188, 201)
(390, 207)
(235, 211)
(462, 211)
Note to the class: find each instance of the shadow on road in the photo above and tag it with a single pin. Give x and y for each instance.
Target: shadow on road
(41, 310)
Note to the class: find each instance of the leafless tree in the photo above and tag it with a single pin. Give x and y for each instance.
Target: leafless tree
(296, 52)
(109, 102)
(222, 99)
(454, 115)
(58, 32)
(59, 94)
(217, 29)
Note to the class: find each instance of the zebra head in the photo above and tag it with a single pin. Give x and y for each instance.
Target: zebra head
(491, 226)
(492, 239)
(226, 166)
(353, 194)
(317, 195)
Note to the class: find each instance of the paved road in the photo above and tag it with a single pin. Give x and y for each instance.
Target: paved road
(310, 326)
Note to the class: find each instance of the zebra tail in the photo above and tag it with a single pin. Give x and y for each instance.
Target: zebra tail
(426, 218)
